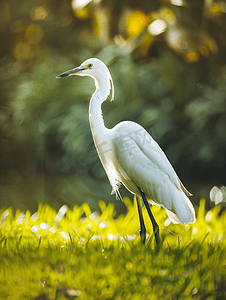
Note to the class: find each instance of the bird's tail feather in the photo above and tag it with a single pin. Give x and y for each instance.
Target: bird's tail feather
(173, 218)
(184, 210)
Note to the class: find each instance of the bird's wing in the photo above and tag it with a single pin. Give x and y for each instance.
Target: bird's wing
(160, 158)
(144, 162)
(156, 153)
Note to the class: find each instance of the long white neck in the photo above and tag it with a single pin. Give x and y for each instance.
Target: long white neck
(98, 128)
(101, 135)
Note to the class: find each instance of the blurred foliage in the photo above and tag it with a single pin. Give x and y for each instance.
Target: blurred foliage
(77, 254)
(167, 59)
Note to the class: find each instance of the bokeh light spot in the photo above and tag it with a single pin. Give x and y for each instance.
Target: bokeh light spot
(177, 2)
(218, 8)
(34, 34)
(136, 23)
(38, 13)
(82, 13)
(192, 56)
(79, 4)
(157, 27)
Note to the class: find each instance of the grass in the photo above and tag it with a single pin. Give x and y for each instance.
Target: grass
(83, 255)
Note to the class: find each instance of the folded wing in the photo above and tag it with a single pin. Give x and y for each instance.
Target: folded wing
(144, 162)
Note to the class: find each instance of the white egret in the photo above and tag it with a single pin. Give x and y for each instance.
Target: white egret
(130, 156)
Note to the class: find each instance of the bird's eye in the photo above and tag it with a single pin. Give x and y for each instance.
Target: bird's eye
(90, 66)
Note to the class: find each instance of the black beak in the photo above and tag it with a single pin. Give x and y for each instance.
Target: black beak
(70, 72)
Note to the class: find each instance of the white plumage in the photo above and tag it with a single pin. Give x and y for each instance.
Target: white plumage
(129, 155)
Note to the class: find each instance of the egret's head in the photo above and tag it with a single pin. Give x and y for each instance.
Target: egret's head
(91, 67)
(96, 69)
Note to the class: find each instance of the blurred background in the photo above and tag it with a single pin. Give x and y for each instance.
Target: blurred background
(168, 62)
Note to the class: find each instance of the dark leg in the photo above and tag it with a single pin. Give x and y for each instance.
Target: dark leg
(154, 224)
(142, 225)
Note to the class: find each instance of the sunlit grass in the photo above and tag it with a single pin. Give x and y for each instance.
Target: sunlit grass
(87, 255)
